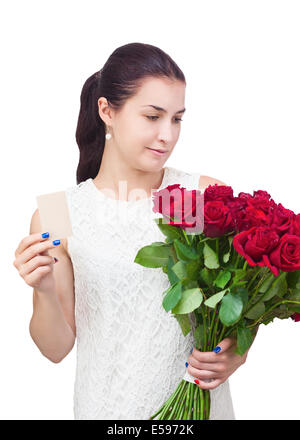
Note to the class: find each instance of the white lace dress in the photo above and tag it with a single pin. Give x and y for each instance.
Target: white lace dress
(131, 353)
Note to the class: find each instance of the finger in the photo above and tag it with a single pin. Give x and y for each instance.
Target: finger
(205, 356)
(31, 265)
(209, 385)
(202, 374)
(28, 241)
(33, 279)
(211, 366)
(34, 250)
(224, 345)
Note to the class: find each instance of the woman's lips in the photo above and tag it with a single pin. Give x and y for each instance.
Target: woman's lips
(158, 153)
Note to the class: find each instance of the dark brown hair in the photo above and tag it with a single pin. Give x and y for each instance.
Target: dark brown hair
(119, 79)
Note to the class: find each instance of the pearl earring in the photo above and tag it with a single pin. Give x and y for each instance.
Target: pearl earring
(108, 136)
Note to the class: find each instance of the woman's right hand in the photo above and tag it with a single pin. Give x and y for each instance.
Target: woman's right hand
(34, 263)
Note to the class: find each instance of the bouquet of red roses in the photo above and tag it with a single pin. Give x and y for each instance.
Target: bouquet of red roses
(233, 263)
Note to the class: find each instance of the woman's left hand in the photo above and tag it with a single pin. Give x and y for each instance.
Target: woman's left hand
(215, 366)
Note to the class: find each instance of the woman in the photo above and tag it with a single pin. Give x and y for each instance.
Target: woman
(131, 354)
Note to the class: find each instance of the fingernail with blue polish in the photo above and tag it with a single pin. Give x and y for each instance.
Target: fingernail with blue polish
(217, 349)
(191, 351)
(186, 364)
(55, 242)
(45, 235)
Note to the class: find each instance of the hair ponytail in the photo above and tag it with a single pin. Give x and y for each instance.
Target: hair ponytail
(90, 132)
(118, 80)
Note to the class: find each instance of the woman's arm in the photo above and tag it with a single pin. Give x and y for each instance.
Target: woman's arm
(52, 326)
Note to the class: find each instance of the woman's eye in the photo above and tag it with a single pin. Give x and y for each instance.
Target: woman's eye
(151, 118)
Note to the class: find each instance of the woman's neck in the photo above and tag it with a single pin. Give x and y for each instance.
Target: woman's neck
(124, 180)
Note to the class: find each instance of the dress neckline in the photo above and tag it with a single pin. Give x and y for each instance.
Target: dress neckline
(103, 196)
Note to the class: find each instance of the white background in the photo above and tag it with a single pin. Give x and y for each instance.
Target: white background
(241, 62)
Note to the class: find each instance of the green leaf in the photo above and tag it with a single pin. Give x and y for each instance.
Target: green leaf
(227, 255)
(238, 275)
(200, 247)
(173, 278)
(293, 308)
(267, 283)
(295, 294)
(192, 269)
(214, 299)
(244, 340)
(243, 293)
(184, 252)
(210, 257)
(256, 312)
(190, 300)
(184, 322)
(199, 337)
(158, 243)
(207, 276)
(173, 295)
(241, 283)
(189, 284)
(169, 231)
(180, 270)
(278, 287)
(222, 279)
(153, 256)
(231, 309)
(293, 278)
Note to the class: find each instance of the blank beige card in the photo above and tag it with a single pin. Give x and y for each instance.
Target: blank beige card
(54, 215)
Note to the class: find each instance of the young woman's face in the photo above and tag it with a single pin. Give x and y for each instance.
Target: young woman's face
(139, 127)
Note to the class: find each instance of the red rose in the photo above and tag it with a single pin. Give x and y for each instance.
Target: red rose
(215, 192)
(256, 216)
(238, 209)
(181, 207)
(244, 196)
(295, 230)
(286, 255)
(262, 199)
(256, 243)
(217, 219)
(159, 197)
(249, 211)
(282, 219)
(296, 317)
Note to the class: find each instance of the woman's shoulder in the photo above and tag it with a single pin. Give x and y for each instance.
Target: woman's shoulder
(205, 181)
(78, 190)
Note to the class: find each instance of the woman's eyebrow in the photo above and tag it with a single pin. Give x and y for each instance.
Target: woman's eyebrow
(162, 109)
